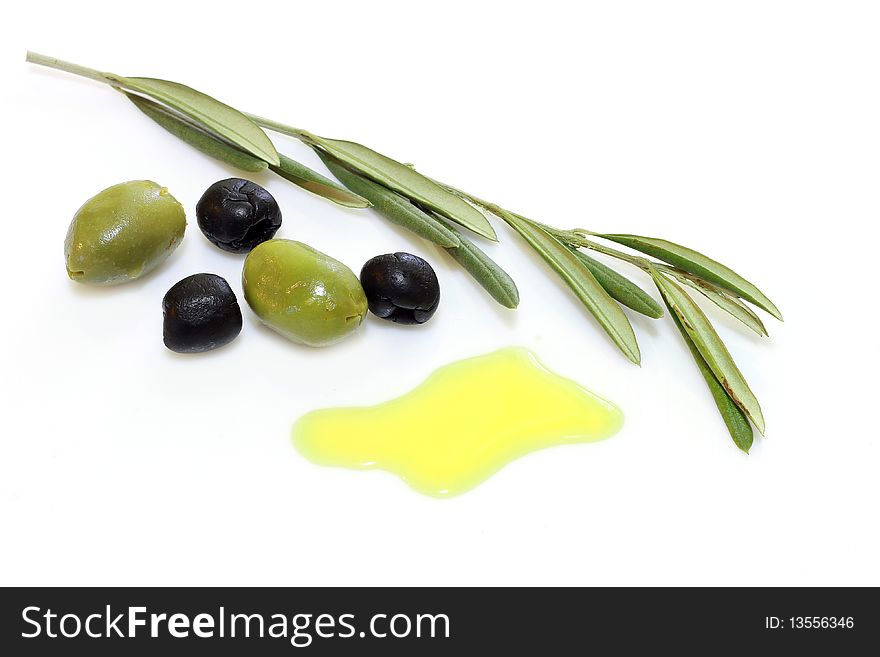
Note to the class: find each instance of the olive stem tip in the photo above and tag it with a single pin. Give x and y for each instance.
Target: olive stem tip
(69, 67)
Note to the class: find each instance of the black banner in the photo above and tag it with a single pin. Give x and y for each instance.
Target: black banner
(421, 621)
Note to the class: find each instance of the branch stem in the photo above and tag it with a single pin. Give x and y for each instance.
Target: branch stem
(69, 67)
(282, 128)
(641, 263)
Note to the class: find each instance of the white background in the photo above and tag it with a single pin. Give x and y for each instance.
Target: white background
(748, 130)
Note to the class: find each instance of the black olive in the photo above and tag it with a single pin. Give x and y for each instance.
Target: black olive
(236, 215)
(200, 313)
(400, 287)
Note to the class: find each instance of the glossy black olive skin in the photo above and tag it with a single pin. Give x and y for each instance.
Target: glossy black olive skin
(401, 288)
(200, 313)
(236, 215)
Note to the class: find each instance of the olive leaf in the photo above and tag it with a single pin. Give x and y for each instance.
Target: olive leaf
(581, 281)
(699, 265)
(197, 137)
(217, 117)
(300, 174)
(213, 145)
(407, 182)
(710, 346)
(620, 288)
(484, 270)
(723, 300)
(392, 205)
(737, 423)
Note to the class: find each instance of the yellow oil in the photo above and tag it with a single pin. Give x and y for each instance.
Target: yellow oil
(460, 426)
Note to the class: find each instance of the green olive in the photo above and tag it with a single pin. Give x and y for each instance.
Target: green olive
(303, 294)
(122, 233)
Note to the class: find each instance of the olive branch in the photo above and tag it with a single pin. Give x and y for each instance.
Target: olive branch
(438, 212)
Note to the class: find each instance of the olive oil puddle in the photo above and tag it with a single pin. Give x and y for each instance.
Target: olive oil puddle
(461, 425)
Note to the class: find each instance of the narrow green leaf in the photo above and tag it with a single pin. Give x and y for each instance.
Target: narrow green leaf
(573, 271)
(710, 346)
(216, 117)
(699, 265)
(620, 288)
(485, 271)
(407, 182)
(300, 174)
(737, 423)
(196, 137)
(392, 206)
(723, 300)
